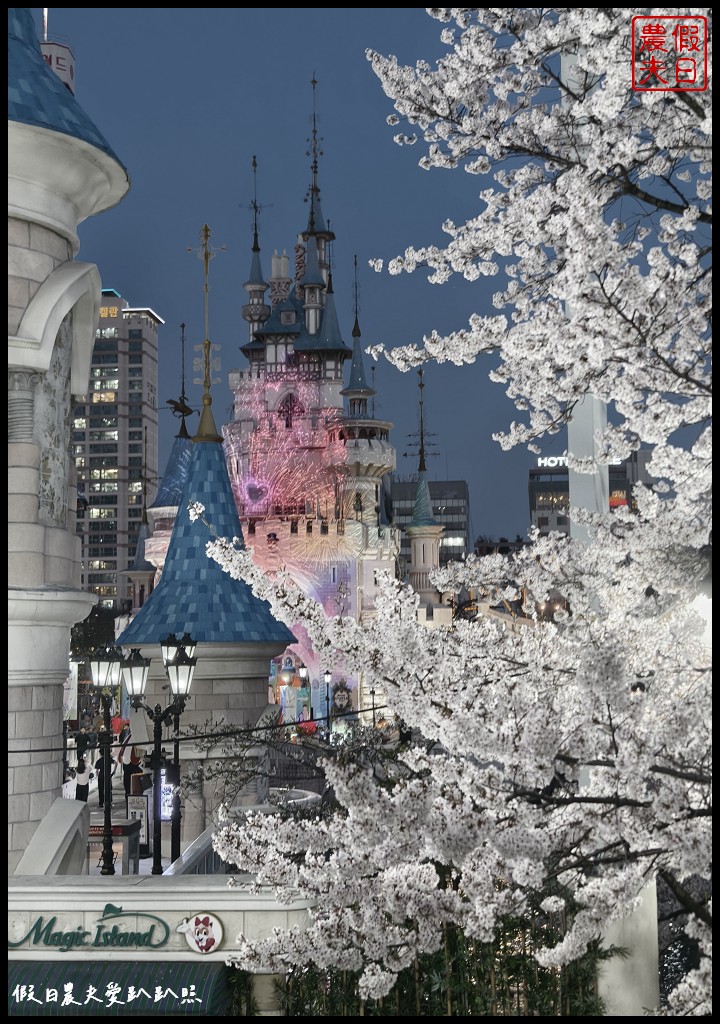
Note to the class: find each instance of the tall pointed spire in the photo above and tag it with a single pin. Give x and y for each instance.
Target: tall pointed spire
(358, 391)
(423, 510)
(255, 311)
(421, 387)
(207, 431)
(316, 221)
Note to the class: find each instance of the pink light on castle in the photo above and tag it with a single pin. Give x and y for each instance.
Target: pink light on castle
(290, 461)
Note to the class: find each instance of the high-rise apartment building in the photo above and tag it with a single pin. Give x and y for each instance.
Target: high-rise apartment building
(115, 444)
(451, 508)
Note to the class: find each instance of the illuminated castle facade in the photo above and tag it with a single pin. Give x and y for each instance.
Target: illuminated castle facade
(306, 457)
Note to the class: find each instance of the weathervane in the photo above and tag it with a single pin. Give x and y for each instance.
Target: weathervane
(180, 406)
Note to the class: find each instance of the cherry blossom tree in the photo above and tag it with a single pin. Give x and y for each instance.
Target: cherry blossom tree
(572, 756)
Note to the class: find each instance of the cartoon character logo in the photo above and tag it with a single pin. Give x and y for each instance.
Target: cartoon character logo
(203, 932)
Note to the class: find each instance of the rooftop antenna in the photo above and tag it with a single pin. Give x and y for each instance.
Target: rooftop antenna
(207, 431)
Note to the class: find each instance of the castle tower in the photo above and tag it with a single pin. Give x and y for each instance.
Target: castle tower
(306, 472)
(60, 171)
(236, 633)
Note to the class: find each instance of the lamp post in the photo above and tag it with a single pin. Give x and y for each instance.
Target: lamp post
(105, 670)
(170, 649)
(303, 673)
(372, 697)
(180, 669)
(328, 679)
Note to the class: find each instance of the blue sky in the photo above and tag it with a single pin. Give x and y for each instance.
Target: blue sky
(186, 98)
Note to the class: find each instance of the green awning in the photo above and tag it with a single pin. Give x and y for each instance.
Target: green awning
(121, 988)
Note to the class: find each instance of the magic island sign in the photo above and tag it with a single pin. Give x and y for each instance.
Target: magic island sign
(42, 982)
(109, 933)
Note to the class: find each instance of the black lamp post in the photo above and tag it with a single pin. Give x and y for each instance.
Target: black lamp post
(170, 648)
(105, 669)
(328, 679)
(180, 668)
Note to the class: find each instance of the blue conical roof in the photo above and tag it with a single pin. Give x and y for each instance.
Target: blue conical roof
(194, 594)
(140, 562)
(328, 338)
(176, 474)
(357, 385)
(256, 275)
(36, 96)
(313, 274)
(423, 511)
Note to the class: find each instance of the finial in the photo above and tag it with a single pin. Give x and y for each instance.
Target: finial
(372, 371)
(207, 431)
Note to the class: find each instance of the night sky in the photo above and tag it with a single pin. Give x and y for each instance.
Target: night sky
(186, 98)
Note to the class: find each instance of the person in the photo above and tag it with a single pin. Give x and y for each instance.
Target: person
(131, 759)
(82, 742)
(100, 772)
(82, 780)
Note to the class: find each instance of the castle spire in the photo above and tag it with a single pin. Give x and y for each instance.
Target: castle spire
(255, 311)
(207, 431)
(316, 221)
(421, 387)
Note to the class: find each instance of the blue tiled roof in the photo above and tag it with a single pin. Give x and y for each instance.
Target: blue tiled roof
(175, 475)
(316, 220)
(273, 324)
(312, 275)
(256, 274)
(140, 562)
(423, 511)
(36, 96)
(328, 338)
(194, 595)
(357, 385)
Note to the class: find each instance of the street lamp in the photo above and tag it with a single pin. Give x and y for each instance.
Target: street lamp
(175, 655)
(105, 670)
(180, 668)
(328, 680)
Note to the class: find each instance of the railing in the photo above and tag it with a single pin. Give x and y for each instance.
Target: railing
(199, 858)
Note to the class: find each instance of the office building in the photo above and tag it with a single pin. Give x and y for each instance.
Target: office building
(115, 444)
